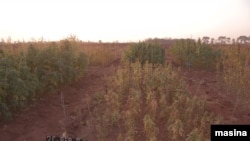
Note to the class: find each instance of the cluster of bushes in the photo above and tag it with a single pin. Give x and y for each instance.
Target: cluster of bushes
(142, 52)
(148, 102)
(25, 74)
(192, 54)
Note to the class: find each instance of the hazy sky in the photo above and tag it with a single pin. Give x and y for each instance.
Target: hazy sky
(123, 20)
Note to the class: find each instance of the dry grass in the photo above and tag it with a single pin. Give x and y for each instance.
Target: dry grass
(103, 53)
(99, 55)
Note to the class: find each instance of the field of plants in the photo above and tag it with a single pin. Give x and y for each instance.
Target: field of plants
(34, 69)
(126, 92)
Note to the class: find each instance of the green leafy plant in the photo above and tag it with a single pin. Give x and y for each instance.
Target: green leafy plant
(143, 52)
(17, 84)
(36, 68)
(192, 54)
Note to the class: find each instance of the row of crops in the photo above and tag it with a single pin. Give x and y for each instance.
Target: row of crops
(148, 100)
(32, 70)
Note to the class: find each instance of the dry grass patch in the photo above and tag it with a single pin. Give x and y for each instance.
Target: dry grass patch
(99, 55)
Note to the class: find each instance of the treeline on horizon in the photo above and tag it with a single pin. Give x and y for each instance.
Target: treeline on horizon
(162, 41)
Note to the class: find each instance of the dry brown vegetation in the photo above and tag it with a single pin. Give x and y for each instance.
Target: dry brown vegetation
(150, 103)
(234, 68)
(100, 53)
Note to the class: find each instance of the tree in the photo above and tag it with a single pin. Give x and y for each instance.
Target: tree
(205, 39)
(222, 39)
(242, 39)
(228, 39)
(233, 41)
(212, 40)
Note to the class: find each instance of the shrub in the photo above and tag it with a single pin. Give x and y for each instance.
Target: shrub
(148, 101)
(17, 84)
(25, 74)
(143, 52)
(189, 53)
(235, 68)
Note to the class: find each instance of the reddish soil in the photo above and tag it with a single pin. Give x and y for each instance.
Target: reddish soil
(47, 116)
(206, 85)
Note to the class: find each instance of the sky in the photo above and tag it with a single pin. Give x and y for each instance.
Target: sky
(123, 20)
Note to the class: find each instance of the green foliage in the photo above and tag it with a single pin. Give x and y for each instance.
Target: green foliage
(143, 52)
(17, 84)
(24, 75)
(193, 54)
(56, 65)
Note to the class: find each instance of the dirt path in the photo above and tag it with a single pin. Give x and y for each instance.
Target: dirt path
(47, 116)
